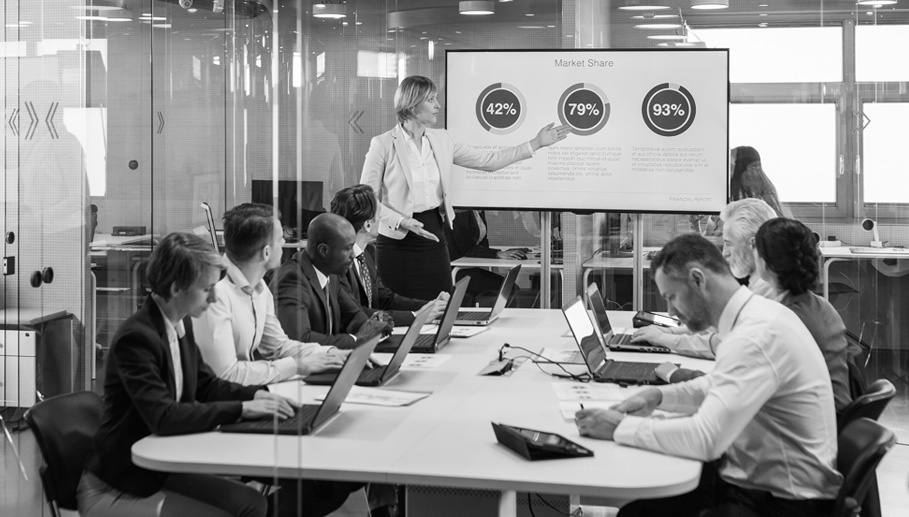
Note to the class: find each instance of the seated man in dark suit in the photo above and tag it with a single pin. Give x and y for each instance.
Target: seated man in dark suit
(470, 238)
(311, 305)
(359, 206)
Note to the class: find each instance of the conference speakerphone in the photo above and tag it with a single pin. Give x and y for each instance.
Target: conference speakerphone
(538, 445)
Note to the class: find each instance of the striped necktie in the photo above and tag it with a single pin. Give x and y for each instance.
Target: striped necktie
(364, 277)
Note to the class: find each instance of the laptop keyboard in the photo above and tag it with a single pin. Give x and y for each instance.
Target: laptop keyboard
(301, 419)
(473, 316)
(620, 339)
(371, 376)
(425, 341)
(629, 370)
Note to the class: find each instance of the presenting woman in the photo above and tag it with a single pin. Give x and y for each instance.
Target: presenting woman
(410, 169)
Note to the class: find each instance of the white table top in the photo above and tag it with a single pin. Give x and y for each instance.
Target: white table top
(447, 439)
(865, 253)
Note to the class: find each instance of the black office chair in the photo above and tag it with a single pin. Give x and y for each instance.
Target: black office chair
(64, 427)
(862, 445)
(870, 405)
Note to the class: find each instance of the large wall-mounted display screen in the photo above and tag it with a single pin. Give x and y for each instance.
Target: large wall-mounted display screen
(649, 128)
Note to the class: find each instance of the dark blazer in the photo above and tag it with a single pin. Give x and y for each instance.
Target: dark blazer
(383, 298)
(300, 304)
(139, 399)
(462, 239)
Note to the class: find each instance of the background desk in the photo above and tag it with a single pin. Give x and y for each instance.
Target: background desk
(446, 440)
(839, 254)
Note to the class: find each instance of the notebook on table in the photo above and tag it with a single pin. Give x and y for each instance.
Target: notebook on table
(431, 343)
(593, 349)
(381, 375)
(616, 342)
(483, 318)
(310, 418)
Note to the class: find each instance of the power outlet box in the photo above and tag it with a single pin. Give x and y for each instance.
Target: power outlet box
(9, 266)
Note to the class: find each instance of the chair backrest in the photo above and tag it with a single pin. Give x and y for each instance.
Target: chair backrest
(64, 427)
(870, 405)
(862, 445)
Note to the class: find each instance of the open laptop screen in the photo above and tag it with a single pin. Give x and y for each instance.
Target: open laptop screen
(599, 308)
(586, 336)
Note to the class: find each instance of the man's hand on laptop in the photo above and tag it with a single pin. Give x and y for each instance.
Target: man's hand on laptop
(438, 306)
(513, 253)
(267, 404)
(641, 404)
(598, 423)
(379, 323)
(328, 359)
(653, 334)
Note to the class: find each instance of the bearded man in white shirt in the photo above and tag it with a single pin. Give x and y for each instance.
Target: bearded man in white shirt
(765, 411)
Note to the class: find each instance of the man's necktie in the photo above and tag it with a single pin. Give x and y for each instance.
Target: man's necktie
(327, 309)
(364, 277)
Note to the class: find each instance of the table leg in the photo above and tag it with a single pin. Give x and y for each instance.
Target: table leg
(825, 276)
(508, 503)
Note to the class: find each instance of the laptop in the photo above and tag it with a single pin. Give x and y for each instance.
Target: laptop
(310, 418)
(431, 343)
(590, 342)
(616, 342)
(381, 375)
(217, 238)
(483, 318)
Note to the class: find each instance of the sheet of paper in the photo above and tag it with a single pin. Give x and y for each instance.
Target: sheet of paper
(412, 361)
(382, 396)
(465, 331)
(559, 355)
(423, 361)
(584, 392)
(427, 329)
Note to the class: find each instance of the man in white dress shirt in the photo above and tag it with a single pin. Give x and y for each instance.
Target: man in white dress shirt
(240, 336)
(741, 220)
(765, 411)
(242, 340)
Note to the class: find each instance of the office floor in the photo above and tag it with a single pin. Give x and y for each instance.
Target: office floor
(21, 496)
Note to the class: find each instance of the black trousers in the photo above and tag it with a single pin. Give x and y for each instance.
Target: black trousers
(716, 498)
(307, 497)
(413, 266)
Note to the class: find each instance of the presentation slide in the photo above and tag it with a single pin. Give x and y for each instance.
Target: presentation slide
(648, 128)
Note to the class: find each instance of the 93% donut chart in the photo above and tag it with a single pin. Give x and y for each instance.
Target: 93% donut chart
(668, 109)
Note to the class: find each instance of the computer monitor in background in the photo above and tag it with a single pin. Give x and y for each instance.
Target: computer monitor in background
(298, 202)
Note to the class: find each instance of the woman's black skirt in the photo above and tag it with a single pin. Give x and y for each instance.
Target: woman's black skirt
(413, 266)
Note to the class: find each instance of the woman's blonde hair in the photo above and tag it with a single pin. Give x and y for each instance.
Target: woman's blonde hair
(412, 92)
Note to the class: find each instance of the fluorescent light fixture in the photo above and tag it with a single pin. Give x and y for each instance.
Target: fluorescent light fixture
(668, 37)
(635, 5)
(658, 26)
(709, 4)
(876, 2)
(476, 7)
(100, 5)
(652, 16)
(330, 11)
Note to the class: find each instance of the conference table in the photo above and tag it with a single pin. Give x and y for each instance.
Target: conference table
(446, 439)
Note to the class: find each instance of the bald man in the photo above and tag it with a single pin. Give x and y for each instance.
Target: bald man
(310, 303)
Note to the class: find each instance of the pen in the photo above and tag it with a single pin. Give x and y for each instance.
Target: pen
(582, 405)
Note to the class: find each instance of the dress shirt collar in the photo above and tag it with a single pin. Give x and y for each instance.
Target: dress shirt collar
(177, 330)
(357, 250)
(731, 312)
(407, 137)
(239, 279)
(323, 278)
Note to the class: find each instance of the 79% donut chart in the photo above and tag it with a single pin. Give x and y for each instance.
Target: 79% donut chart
(584, 108)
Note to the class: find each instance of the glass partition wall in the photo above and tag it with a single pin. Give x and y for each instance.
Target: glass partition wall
(121, 117)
